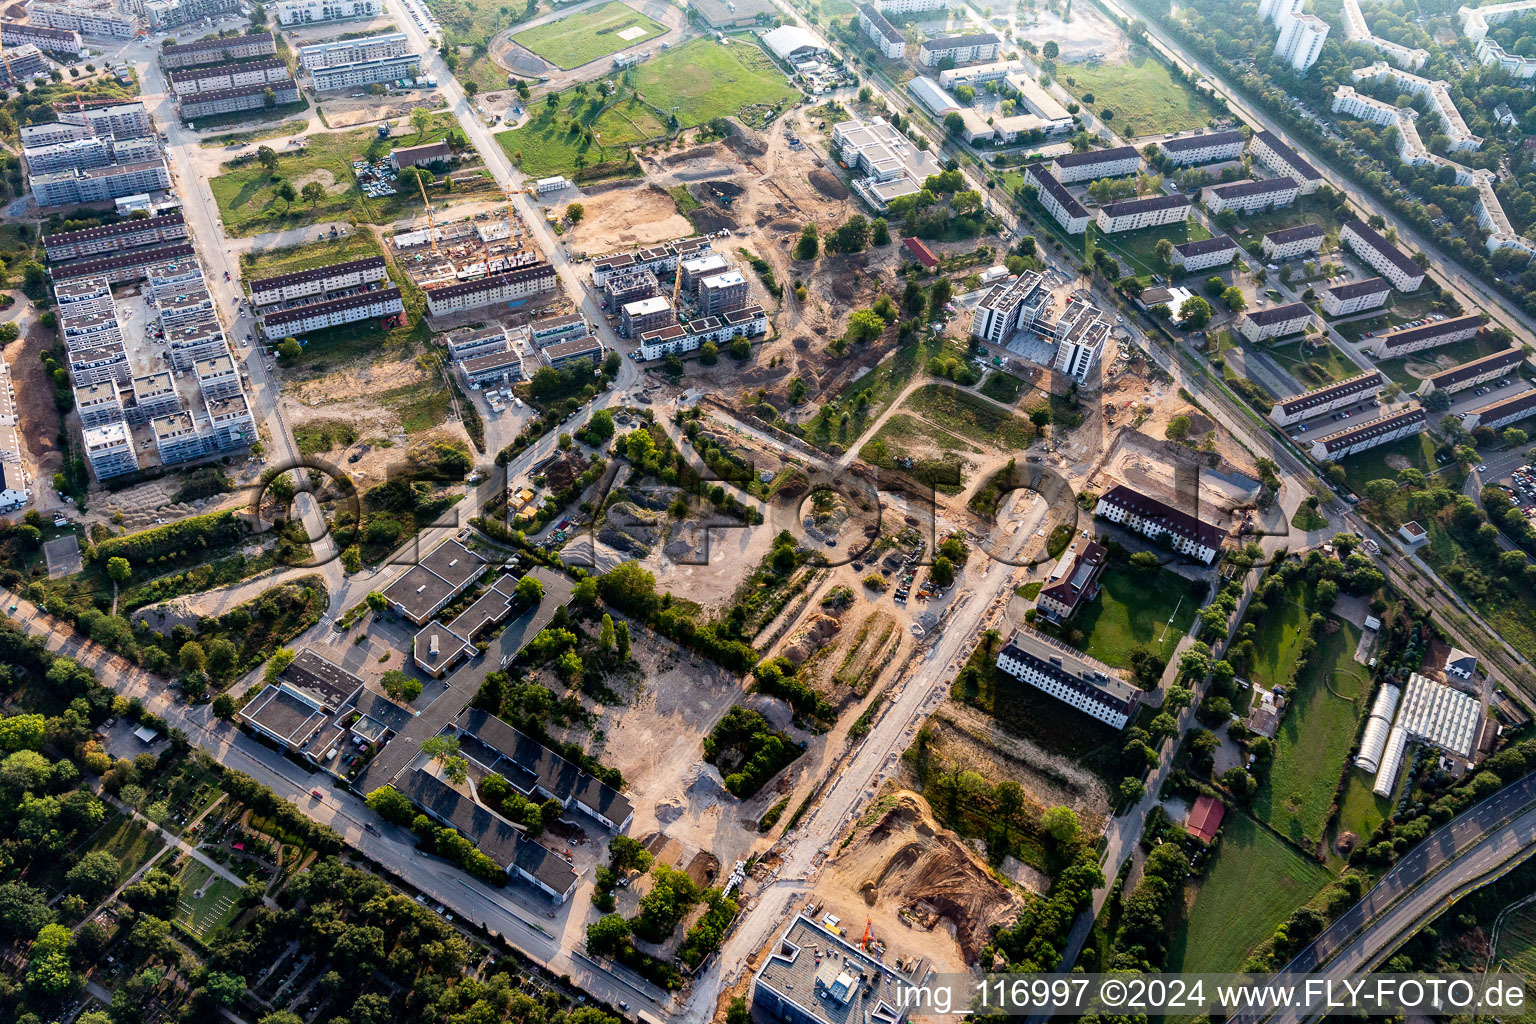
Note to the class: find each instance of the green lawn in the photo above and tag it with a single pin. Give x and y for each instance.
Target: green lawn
(1372, 463)
(972, 418)
(267, 131)
(1133, 611)
(1255, 883)
(1279, 630)
(1360, 809)
(1316, 733)
(702, 80)
(898, 438)
(207, 902)
(1315, 368)
(547, 145)
(1142, 94)
(1306, 210)
(129, 841)
(1133, 249)
(584, 37)
(354, 245)
(1309, 519)
(247, 194)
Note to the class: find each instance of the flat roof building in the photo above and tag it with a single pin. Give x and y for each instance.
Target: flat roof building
(1070, 676)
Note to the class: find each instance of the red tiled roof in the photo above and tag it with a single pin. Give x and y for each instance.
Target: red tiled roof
(921, 252)
(1205, 818)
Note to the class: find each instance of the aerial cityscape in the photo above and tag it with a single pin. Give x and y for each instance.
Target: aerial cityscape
(762, 510)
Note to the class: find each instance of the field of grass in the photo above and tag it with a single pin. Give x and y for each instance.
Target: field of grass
(354, 245)
(877, 388)
(1142, 94)
(1516, 951)
(1372, 464)
(129, 841)
(1002, 386)
(599, 147)
(1253, 885)
(1360, 809)
(1133, 249)
(970, 417)
(319, 436)
(247, 194)
(1309, 519)
(1316, 368)
(702, 80)
(1306, 210)
(584, 37)
(1279, 630)
(1133, 611)
(208, 902)
(1327, 702)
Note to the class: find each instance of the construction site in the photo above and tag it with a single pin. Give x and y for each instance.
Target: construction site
(438, 253)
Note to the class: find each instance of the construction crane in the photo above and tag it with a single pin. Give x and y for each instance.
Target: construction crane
(431, 226)
(864, 942)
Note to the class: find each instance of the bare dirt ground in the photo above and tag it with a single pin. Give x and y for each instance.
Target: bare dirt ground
(39, 417)
(922, 889)
(342, 110)
(1149, 465)
(656, 740)
(636, 213)
(1088, 33)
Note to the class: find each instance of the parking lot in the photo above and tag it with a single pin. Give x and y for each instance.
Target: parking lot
(1338, 419)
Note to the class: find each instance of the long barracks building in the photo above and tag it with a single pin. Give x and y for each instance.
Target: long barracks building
(1475, 372)
(127, 234)
(319, 281)
(370, 305)
(1328, 398)
(1186, 534)
(514, 287)
(1385, 430)
(1069, 675)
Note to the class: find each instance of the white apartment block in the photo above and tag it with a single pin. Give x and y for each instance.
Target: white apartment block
(471, 343)
(1250, 196)
(217, 377)
(99, 20)
(1290, 243)
(220, 50)
(244, 97)
(50, 40)
(1356, 30)
(1473, 373)
(1070, 168)
(1344, 443)
(155, 396)
(960, 49)
(1355, 297)
(306, 284)
(1009, 306)
(127, 234)
(1060, 203)
(1136, 214)
(1205, 254)
(352, 51)
(1407, 340)
(1475, 23)
(313, 12)
(514, 287)
(89, 152)
(1070, 676)
(1385, 258)
(368, 305)
(887, 38)
(119, 120)
(1276, 322)
(1188, 535)
(1501, 413)
(1081, 335)
(68, 187)
(1282, 160)
(109, 450)
(382, 69)
(1203, 148)
(99, 404)
(168, 14)
(1323, 400)
(492, 368)
(890, 7)
(665, 256)
(1490, 213)
(1301, 41)
(1439, 94)
(680, 339)
(218, 77)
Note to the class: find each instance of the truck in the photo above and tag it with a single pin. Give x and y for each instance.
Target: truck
(384, 130)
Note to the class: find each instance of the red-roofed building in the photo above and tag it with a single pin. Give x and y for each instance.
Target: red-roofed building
(921, 252)
(1205, 818)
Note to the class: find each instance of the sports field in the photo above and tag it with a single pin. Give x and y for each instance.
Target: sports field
(584, 37)
(1255, 883)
